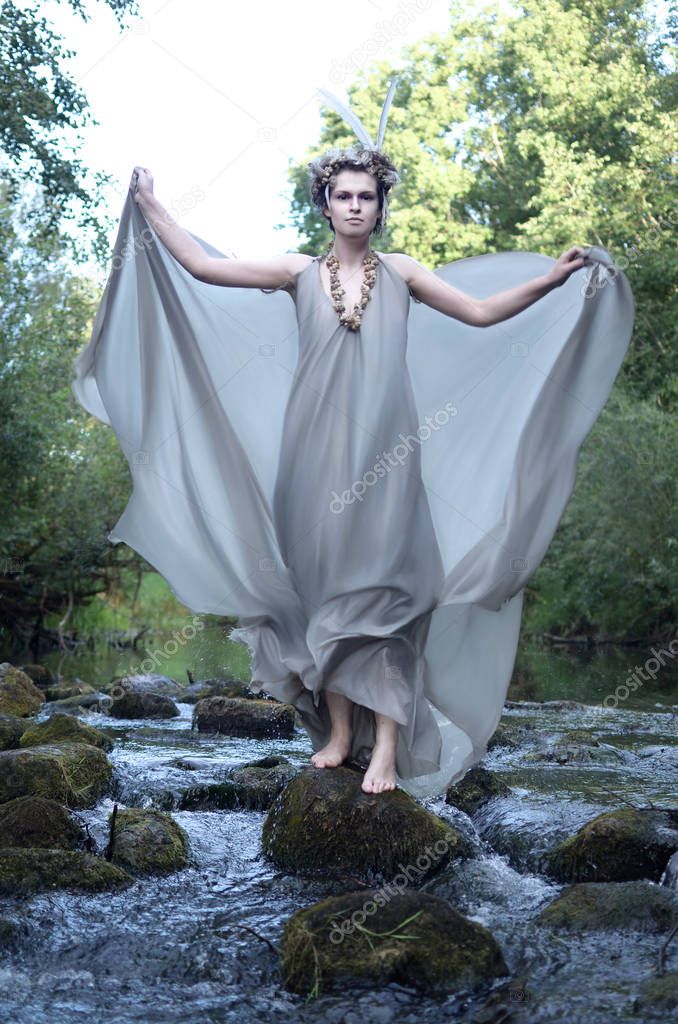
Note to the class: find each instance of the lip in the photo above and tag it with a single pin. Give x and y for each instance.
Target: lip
(358, 220)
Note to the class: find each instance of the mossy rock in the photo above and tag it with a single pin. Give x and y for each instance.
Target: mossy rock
(240, 716)
(149, 842)
(61, 727)
(38, 822)
(253, 787)
(617, 846)
(10, 934)
(323, 823)
(60, 691)
(19, 695)
(140, 704)
(39, 674)
(574, 747)
(613, 906)
(150, 682)
(11, 729)
(512, 732)
(216, 688)
(76, 774)
(25, 871)
(476, 788)
(373, 938)
(79, 702)
(658, 993)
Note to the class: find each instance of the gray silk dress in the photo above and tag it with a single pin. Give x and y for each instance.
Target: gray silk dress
(369, 503)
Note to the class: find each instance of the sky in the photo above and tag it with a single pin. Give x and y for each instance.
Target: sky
(217, 99)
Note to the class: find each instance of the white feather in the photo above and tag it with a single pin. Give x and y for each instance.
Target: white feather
(384, 114)
(352, 119)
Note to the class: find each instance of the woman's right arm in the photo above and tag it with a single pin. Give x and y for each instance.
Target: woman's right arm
(272, 273)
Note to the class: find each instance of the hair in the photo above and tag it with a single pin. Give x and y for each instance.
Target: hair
(323, 172)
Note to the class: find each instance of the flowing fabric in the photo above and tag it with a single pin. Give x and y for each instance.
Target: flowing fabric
(369, 504)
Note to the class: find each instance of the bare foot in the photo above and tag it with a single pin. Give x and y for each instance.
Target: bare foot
(333, 754)
(380, 776)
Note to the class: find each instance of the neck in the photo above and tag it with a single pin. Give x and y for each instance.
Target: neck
(351, 251)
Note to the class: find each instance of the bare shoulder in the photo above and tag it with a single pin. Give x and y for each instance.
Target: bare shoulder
(402, 264)
(296, 261)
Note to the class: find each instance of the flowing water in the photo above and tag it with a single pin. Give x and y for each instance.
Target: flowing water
(200, 945)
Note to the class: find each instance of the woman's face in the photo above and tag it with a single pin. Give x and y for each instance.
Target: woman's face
(354, 203)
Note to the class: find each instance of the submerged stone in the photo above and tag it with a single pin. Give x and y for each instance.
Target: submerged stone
(18, 693)
(36, 821)
(617, 846)
(149, 842)
(375, 937)
(61, 726)
(24, 871)
(241, 716)
(76, 774)
(323, 823)
(613, 906)
(252, 787)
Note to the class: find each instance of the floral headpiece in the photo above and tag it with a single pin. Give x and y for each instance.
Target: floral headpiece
(368, 155)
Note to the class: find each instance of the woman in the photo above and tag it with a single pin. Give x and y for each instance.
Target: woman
(377, 569)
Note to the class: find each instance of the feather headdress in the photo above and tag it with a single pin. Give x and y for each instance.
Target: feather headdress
(371, 156)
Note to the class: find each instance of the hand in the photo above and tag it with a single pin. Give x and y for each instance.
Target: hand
(573, 259)
(141, 184)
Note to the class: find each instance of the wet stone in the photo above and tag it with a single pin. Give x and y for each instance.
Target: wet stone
(611, 906)
(312, 828)
(148, 842)
(617, 846)
(61, 726)
(239, 716)
(372, 937)
(476, 788)
(19, 695)
(36, 821)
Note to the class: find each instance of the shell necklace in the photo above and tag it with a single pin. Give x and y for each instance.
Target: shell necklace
(370, 262)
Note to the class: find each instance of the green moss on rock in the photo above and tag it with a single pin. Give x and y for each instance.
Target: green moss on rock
(149, 842)
(76, 774)
(25, 871)
(373, 938)
(252, 787)
(61, 726)
(36, 821)
(11, 729)
(39, 674)
(60, 691)
(659, 993)
(617, 846)
(323, 823)
(18, 693)
(613, 906)
(476, 788)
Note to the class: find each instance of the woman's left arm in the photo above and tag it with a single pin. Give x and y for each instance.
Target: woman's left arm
(504, 305)
(430, 289)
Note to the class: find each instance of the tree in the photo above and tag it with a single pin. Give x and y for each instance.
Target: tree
(537, 129)
(39, 101)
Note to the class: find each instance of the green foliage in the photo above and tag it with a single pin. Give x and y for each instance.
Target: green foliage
(65, 479)
(613, 562)
(550, 126)
(39, 104)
